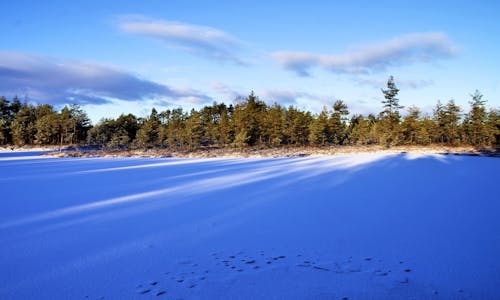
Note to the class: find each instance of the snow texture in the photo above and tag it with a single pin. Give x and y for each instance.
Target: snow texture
(364, 226)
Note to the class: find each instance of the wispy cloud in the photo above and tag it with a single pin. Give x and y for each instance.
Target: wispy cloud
(284, 97)
(406, 49)
(62, 81)
(228, 93)
(380, 83)
(198, 40)
(289, 97)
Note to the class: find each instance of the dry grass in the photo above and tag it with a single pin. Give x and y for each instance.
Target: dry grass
(211, 152)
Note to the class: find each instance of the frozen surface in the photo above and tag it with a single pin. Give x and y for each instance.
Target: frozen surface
(366, 226)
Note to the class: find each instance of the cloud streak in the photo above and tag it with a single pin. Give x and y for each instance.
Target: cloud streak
(284, 97)
(227, 92)
(380, 83)
(403, 50)
(289, 97)
(198, 40)
(65, 81)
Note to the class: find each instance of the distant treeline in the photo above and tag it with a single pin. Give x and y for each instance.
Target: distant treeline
(252, 122)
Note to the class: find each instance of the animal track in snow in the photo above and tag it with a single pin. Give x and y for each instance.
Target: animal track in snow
(192, 275)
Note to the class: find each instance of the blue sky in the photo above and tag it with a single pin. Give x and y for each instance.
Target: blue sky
(116, 57)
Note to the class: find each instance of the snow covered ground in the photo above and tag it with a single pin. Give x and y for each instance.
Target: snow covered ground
(365, 226)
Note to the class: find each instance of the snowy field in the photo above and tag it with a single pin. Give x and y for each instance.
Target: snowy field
(366, 226)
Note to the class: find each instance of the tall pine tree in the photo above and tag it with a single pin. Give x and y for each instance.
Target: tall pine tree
(390, 115)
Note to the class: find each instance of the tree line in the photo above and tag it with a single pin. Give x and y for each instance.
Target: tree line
(251, 122)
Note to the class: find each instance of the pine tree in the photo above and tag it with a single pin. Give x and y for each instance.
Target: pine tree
(297, 126)
(23, 126)
(447, 119)
(8, 111)
(319, 129)
(359, 130)
(102, 133)
(247, 120)
(493, 127)
(79, 122)
(128, 125)
(224, 134)
(46, 125)
(411, 126)
(391, 102)
(337, 122)
(194, 130)
(272, 126)
(15, 106)
(254, 111)
(475, 121)
(390, 114)
(241, 139)
(173, 133)
(147, 135)
(5, 120)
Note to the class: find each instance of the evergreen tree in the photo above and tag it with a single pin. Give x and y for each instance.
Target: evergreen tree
(224, 134)
(493, 127)
(127, 125)
(79, 123)
(391, 102)
(360, 130)
(65, 126)
(241, 140)
(272, 127)
(423, 135)
(15, 106)
(194, 130)
(5, 120)
(23, 126)
(175, 128)
(297, 126)
(337, 122)
(254, 111)
(8, 111)
(247, 120)
(102, 133)
(411, 126)
(46, 125)
(390, 114)
(209, 120)
(148, 134)
(447, 118)
(475, 121)
(319, 129)
(437, 134)
(119, 139)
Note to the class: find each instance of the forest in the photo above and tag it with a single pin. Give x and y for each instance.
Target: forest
(253, 123)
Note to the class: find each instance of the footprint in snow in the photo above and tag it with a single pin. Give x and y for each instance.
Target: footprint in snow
(189, 275)
(143, 292)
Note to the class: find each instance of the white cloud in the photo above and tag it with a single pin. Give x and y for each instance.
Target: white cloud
(406, 49)
(381, 83)
(285, 97)
(66, 81)
(228, 93)
(291, 97)
(198, 40)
